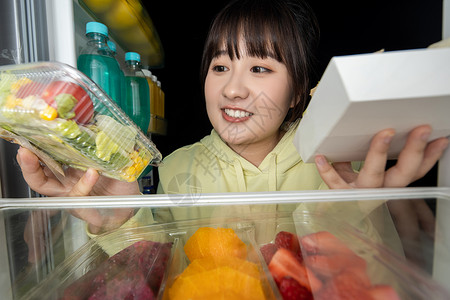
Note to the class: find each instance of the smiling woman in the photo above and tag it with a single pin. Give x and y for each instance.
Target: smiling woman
(346, 28)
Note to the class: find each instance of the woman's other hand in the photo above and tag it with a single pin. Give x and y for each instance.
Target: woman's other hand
(415, 160)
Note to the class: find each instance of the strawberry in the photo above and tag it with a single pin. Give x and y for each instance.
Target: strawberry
(358, 275)
(383, 292)
(344, 286)
(284, 263)
(267, 251)
(288, 241)
(330, 265)
(290, 289)
(323, 242)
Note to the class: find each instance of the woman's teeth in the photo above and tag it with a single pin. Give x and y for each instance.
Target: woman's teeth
(237, 113)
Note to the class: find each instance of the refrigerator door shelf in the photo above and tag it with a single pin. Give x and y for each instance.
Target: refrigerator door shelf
(66, 29)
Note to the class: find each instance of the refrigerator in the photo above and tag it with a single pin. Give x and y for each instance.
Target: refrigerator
(44, 249)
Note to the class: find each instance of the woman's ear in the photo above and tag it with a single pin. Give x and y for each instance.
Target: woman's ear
(294, 101)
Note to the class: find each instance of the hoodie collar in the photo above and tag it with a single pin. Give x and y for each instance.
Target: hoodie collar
(278, 161)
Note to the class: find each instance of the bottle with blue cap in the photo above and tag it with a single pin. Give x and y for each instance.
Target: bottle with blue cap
(137, 100)
(113, 48)
(97, 61)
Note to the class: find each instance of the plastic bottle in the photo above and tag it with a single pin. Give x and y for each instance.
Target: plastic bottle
(98, 63)
(123, 94)
(161, 101)
(154, 95)
(148, 76)
(147, 184)
(112, 47)
(137, 101)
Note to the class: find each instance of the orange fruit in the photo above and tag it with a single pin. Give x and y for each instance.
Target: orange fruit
(226, 295)
(219, 281)
(218, 242)
(209, 263)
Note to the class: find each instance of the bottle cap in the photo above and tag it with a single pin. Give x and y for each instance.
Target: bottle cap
(146, 72)
(112, 46)
(96, 27)
(154, 78)
(132, 56)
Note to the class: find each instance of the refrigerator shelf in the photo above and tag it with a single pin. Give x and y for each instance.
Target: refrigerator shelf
(256, 217)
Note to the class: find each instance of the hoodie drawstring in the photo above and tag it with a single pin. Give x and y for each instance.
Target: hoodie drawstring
(273, 172)
(240, 176)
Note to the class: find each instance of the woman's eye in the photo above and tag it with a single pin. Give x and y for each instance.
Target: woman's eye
(219, 68)
(260, 70)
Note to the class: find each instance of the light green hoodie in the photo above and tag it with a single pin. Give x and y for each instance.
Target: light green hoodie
(210, 166)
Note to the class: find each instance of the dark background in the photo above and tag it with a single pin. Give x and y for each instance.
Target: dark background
(347, 27)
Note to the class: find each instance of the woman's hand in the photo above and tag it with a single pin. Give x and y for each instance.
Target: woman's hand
(76, 183)
(414, 161)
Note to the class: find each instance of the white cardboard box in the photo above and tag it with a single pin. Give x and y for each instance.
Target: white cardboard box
(359, 95)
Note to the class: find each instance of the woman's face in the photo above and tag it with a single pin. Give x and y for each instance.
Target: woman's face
(247, 99)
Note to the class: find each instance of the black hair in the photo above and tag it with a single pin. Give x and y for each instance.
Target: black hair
(286, 30)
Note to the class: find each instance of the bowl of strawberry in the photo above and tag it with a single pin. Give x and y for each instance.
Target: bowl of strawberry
(320, 266)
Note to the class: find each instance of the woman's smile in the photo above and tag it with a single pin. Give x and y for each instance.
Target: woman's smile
(235, 115)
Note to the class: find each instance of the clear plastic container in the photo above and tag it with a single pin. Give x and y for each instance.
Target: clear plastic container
(260, 216)
(340, 261)
(79, 275)
(243, 276)
(97, 61)
(137, 100)
(394, 277)
(137, 270)
(61, 115)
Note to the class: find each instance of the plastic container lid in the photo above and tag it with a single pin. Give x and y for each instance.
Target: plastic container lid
(96, 27)
(112, 46)
(132, 56)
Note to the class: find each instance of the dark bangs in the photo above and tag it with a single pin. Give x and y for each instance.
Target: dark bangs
(253, 21)
(285, 30)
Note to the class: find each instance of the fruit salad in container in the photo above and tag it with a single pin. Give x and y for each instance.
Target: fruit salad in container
(62, 116)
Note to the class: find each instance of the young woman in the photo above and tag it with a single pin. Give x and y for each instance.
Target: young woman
(256, 67)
